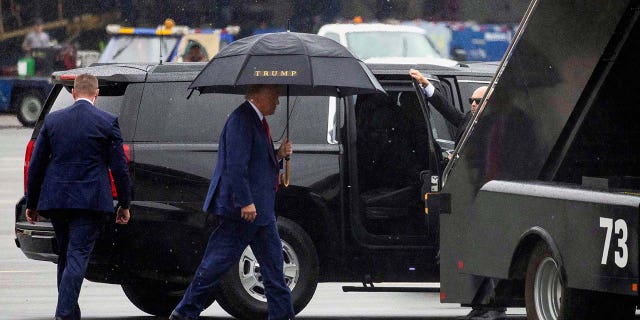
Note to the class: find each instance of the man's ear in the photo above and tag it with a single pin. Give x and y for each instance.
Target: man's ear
(73, 93)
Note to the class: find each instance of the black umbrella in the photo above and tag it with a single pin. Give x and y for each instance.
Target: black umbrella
(311, 64)
(308, 64)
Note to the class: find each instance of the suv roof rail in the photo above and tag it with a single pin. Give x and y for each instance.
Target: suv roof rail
(107, 72)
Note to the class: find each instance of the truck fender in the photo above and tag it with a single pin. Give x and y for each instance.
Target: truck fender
(527, 242)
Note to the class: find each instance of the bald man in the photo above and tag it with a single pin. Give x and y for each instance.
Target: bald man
(460, 121)
(457, 118)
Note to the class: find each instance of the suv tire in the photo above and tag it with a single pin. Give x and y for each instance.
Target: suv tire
(28, 108)
(156, 298)
(301, 275)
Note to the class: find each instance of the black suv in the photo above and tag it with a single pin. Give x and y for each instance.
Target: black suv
(352, 213)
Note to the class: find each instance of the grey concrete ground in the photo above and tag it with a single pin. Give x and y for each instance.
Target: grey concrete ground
(28, 287)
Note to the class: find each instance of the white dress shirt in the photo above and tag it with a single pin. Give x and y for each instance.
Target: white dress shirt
(429, 90)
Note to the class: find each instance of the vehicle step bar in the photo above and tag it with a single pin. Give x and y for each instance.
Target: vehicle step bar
(389, 289)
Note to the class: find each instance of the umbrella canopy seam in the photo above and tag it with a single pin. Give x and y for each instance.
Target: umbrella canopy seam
(244, 63)
(196, 79)
(306, 53)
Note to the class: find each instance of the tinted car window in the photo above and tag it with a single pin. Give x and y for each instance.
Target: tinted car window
(63, 100)
(110, 99)
(439, 126)
(308, 120)
(167, 116)
(442, 130)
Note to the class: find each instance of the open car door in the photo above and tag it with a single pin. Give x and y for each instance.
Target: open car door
(430, 178)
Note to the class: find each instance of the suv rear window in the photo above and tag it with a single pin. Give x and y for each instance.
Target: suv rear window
(110, 99)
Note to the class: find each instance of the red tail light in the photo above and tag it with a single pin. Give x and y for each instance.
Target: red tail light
(68, 77)
(27, 158)
(127, 155)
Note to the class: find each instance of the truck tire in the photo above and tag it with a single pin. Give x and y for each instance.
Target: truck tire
(246, 300)
(155, 298)
(28, 108)
(547, 299)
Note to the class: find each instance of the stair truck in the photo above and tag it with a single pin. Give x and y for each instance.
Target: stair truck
(539, 205)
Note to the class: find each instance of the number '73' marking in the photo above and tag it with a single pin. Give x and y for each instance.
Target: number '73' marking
(622, 252)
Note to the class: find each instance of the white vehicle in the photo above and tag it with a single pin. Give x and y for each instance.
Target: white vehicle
(168, 42)
(376, 40)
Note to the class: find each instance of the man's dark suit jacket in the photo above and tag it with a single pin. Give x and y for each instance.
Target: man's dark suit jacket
(449, 112)
(70, 164)
(246, 170)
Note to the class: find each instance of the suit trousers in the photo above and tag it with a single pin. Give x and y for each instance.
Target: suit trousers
(76, 234)
(224, 249)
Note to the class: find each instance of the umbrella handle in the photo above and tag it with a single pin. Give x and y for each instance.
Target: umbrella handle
(287, 174)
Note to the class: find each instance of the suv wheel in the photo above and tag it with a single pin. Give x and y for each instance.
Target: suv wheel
(156, 298)
(29, 108)
(242, 290)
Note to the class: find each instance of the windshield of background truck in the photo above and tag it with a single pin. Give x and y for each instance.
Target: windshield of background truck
(378, 44)
(136, 48)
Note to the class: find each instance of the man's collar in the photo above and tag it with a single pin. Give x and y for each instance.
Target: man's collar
(260, 115)
(85, 99)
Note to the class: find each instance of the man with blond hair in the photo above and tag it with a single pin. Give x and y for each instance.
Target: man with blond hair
(68, 182)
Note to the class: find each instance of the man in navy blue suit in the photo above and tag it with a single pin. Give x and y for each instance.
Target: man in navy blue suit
(242, 194)
(69, 183)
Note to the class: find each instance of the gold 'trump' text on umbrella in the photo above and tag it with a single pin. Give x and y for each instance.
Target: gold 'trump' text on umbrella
(275, 73)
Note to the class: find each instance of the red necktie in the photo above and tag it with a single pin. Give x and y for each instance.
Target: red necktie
(266, 128)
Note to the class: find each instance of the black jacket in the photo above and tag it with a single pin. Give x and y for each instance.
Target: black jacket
(454, 116)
